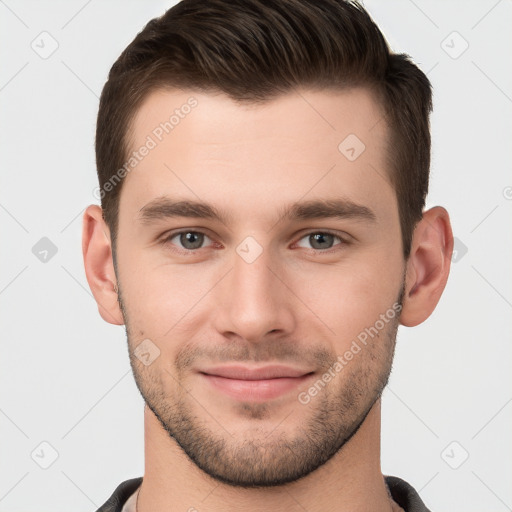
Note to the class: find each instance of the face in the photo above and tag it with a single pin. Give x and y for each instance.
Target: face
(260, 271)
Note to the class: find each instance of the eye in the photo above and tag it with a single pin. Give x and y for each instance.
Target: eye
(188, 240)
(320, 240)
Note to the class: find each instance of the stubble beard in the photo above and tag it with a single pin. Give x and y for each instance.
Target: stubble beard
(265, 458)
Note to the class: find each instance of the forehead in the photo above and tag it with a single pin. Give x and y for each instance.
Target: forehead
(215, 117)
(301, 144)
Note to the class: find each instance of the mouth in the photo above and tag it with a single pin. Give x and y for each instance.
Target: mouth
(255, 384)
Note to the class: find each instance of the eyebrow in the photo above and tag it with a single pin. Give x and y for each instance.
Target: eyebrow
(165, 207)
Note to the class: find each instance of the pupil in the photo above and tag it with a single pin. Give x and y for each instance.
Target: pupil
(191, 240)
(321, 238)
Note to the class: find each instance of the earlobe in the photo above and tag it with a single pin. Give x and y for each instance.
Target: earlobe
(99, 265)
(428, 266)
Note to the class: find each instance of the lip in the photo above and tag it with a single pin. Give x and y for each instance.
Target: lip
(240, 372)
(255, 384)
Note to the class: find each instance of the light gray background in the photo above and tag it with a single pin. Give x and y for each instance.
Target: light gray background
(65, 376)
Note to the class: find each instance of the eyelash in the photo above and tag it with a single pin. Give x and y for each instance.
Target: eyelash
(167, 241)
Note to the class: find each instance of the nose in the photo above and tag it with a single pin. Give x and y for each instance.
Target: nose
(254, 301)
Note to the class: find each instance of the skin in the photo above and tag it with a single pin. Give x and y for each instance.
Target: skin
(297, 303)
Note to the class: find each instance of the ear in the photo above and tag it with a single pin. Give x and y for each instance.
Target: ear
(99, 265)
(428, 266)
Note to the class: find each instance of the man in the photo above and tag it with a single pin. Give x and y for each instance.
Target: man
(263, 169)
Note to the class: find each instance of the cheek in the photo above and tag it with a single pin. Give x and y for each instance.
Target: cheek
(351, 297)
(160, 298)
(165, 301)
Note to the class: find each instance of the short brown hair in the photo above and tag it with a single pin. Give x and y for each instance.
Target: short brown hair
(255, 50)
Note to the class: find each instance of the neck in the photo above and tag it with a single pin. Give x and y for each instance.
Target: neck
(349, 481)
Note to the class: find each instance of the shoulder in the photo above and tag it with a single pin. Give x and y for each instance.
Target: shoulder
(121, 494)
(405, 495)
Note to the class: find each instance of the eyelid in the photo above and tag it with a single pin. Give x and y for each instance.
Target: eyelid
(168, 235)
(345, 239)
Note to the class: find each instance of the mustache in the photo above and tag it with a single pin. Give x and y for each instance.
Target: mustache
(274, 351)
